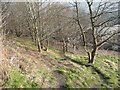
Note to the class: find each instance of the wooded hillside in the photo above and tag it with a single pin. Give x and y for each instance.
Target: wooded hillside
(59, 44)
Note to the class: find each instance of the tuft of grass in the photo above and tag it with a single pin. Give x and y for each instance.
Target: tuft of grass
(61, 71)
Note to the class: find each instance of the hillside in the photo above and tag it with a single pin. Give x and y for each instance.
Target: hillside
(47, 44)
(24, 67)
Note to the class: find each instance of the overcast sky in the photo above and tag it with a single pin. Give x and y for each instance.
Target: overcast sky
(54, 0)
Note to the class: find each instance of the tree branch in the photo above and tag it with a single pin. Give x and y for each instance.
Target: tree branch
(99, 44)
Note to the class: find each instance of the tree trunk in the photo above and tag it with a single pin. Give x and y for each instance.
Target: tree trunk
(92, 55)
(47, 44)
(74, 48)
(89, 57)
(66, 46)
(35, 38)
(63, 46)
(32, 35)
(39, 45)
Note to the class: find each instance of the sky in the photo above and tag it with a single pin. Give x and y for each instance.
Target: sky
(55, 0)
(83, 5)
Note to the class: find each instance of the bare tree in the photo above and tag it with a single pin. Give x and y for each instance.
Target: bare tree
(96, 26)
(3, 15)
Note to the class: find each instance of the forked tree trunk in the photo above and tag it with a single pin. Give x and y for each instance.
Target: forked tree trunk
(91, 55)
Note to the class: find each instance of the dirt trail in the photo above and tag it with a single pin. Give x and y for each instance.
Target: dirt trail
(93, 69)
(31, 62)
(45, 61)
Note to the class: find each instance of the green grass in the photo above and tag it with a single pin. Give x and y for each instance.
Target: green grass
(53, 53)
(78, 77)
(83, 76)
(107, 65)
(18, 80)
(46, 77)
(26, 43)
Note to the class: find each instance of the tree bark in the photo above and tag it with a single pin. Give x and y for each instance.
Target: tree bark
(38, 44)
(89, 57)
(47, 44)
(63, 47)
(66, 46)
(92, 55)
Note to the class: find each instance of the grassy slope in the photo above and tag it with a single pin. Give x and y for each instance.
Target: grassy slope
(104, 72)
(33, 74)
